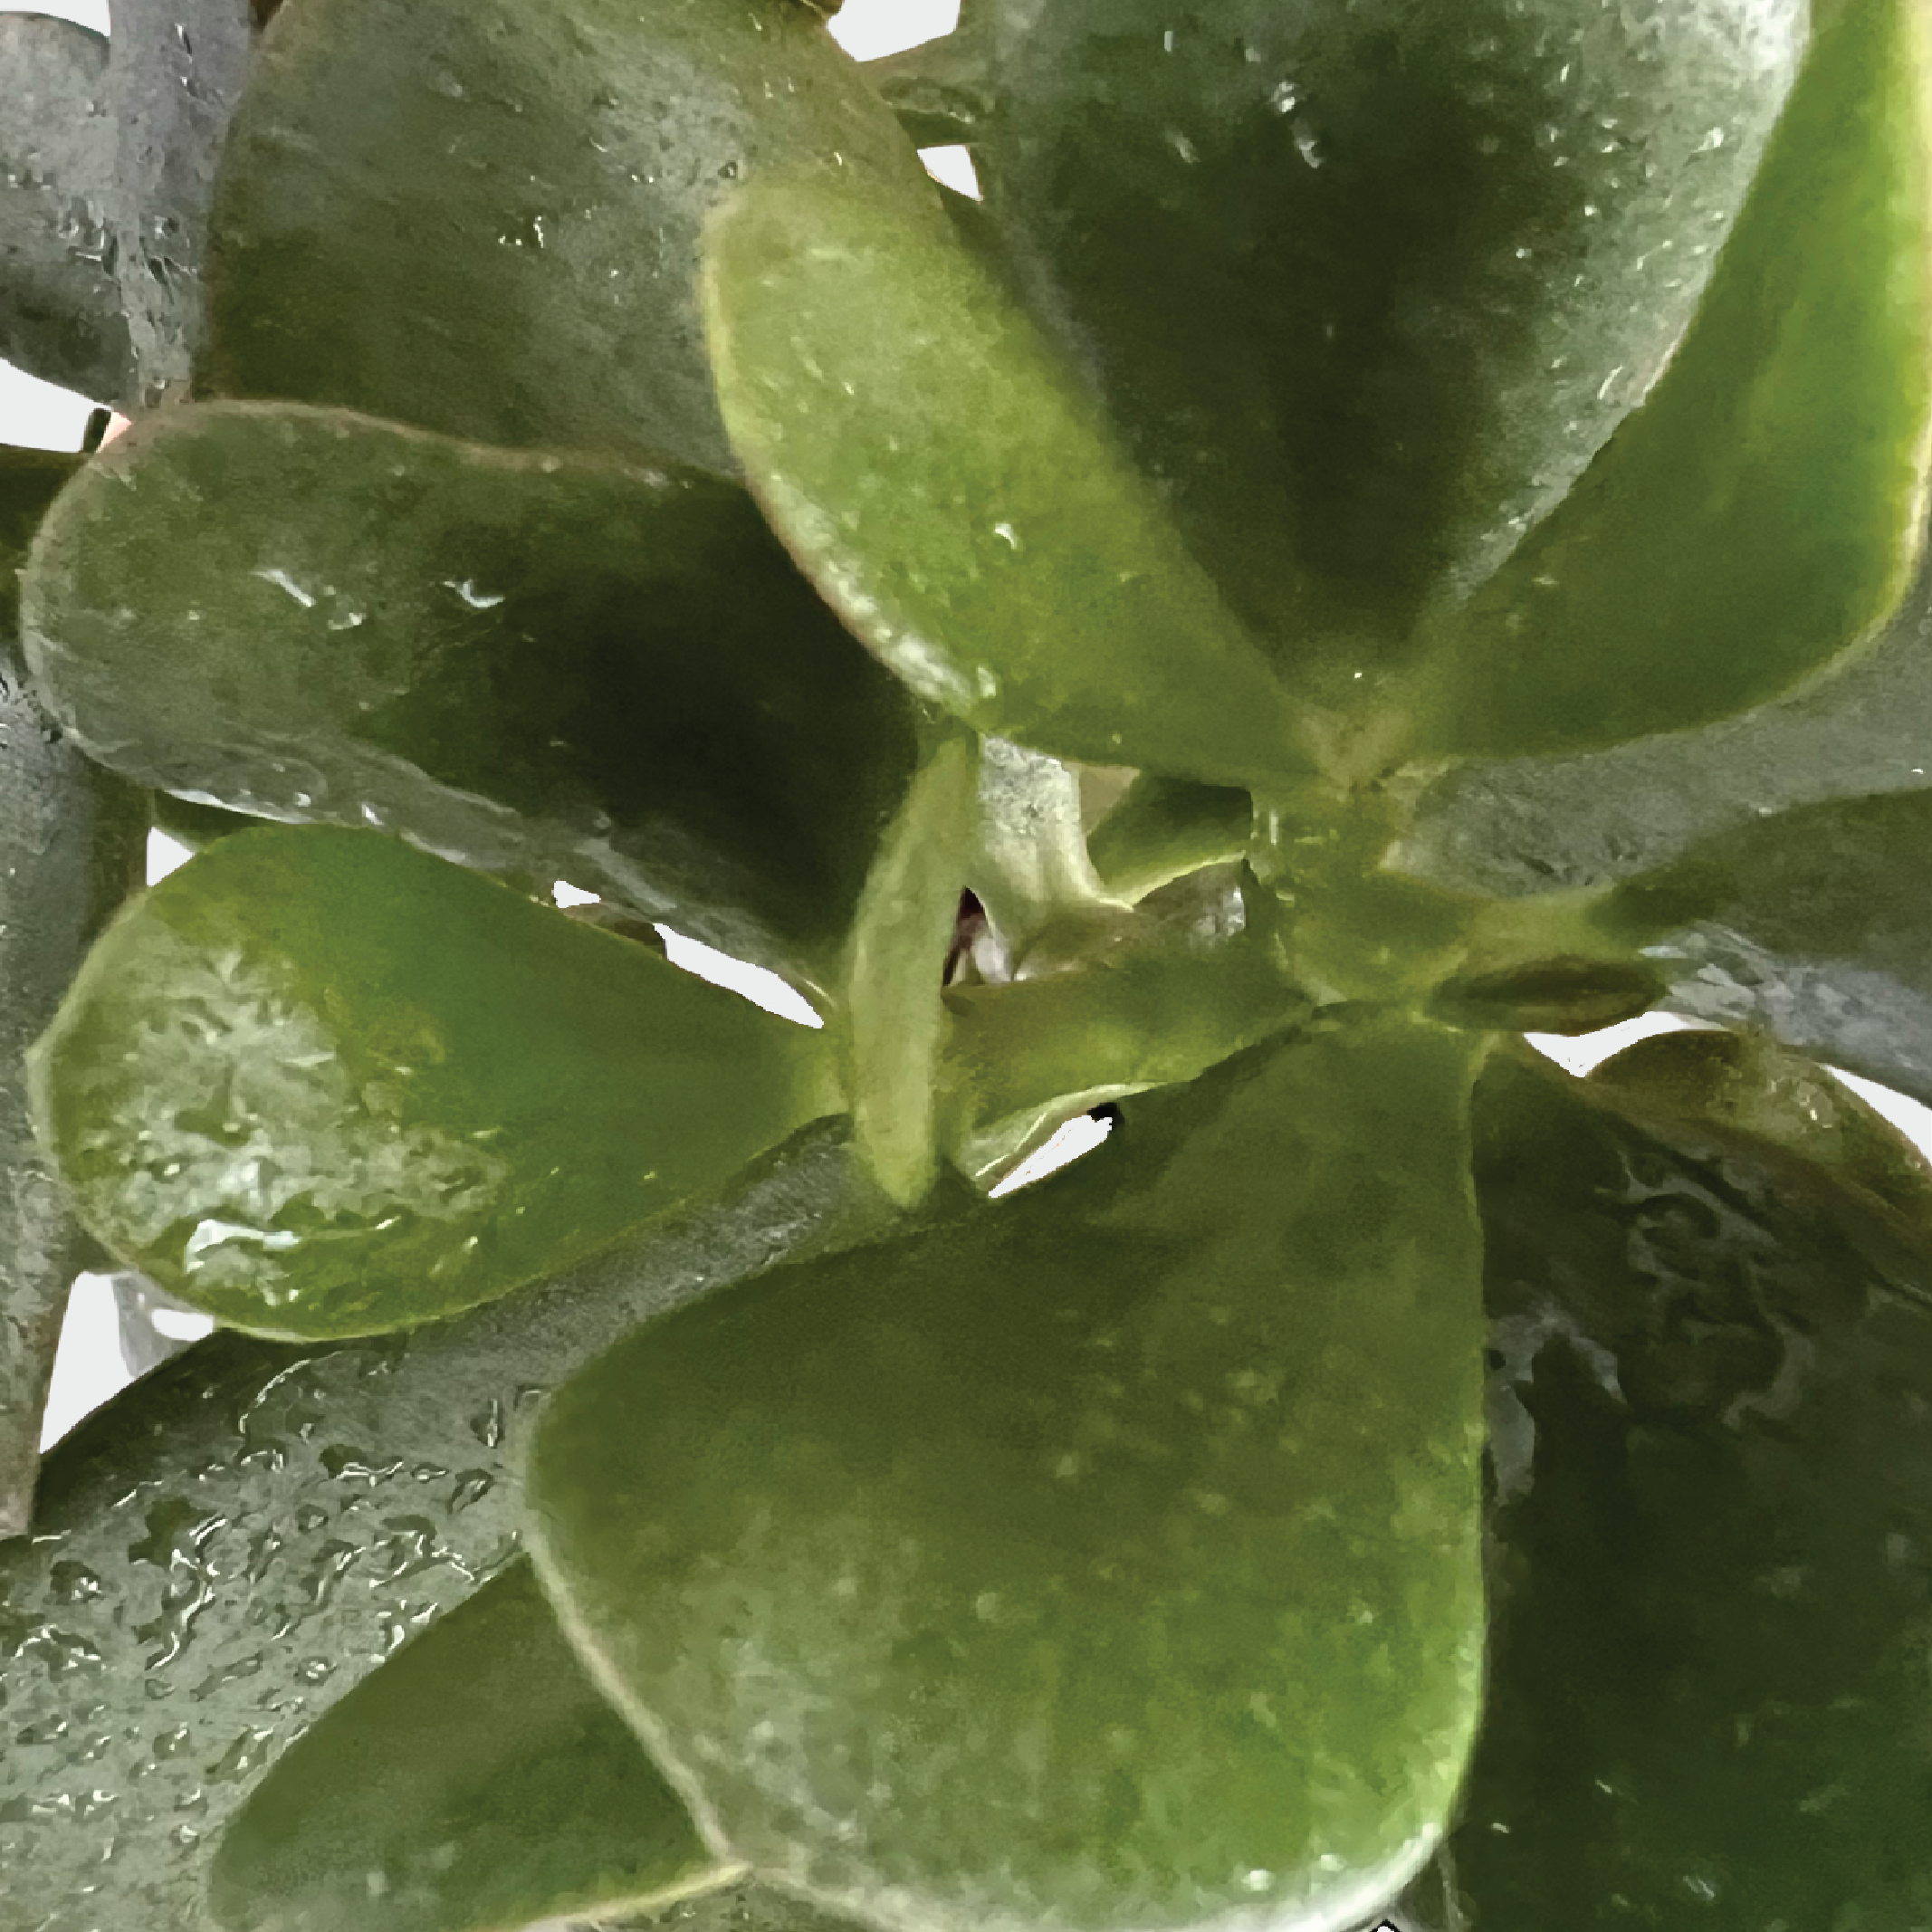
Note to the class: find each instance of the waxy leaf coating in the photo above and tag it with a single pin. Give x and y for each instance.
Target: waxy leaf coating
(478, 1780)
(482, 216)
(1108, 1560)
(1759, 513)
(317, 1083)
(558, 666)
(942, 479)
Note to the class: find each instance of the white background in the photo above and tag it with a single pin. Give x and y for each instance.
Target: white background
(88, 1369)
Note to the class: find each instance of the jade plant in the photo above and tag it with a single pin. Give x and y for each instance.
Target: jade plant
(1382, 529)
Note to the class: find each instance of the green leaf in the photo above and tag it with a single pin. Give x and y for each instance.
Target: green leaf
(1746, 1083)
(482, 218)
(72, 844)
(1759, 513)
(746, 1906)
(1110, 1560)
(555, 667)
(1164, 828)
(896, 970)
(958, 498)
(319, 1083)
(937, 88)
(1813, 925)
(176, 70)
(1708, 1701)
(478, 1780)
(1193, 975)
(1366, 287)
(235, 1542)
(60, 303)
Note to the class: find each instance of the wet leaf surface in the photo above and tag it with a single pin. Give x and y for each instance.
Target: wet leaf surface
(72, 845)
(482, 218)
(59, 300)
(937, 473)
(318, 1083)
(1367, 286)
(1708, 1693)
(477, 1781)
(1757, 515)
(1108, 1559)
(232, 1544)
(560, 667)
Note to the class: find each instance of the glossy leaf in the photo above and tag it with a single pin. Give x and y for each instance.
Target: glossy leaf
(71, 847)
(60, 303)
(319, 1083)
(1812, 923)
(1110, 1560)
(1759, 513)
(1746, 1083)
(1707, 1697)
(176, 70)
(231, 1546)
(477, 1781)
(1164, 828)
(1366, 287)
(1192, 976)
(896, 969)
(941, 478)
(482, 218)
(563, 667)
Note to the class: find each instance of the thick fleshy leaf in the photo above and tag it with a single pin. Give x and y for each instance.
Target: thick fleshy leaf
(1367, 286)
(1707, 1697)
(59, 300)
(1813, 924)
(482, 218)
(1109, 1560)
(563, 667)
(175, 71)
(1164, 828)
(1758, 514)
(897, 968)
(319, 1083)
(233, 1543)
(72, 843)
(959, 502)
(1748, 1084)
(1191, 976)
(478, 1780)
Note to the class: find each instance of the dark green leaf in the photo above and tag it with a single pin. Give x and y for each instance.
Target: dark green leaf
(320, 1084)
(559, 667)
(959, 501)
(1748, 1084)
(1708, 1702)
(482, 217)
(232, 1544)
(1814, 923)
(176, 70)
(1367, 286)
(195, 825)
(937, 88)
(72, 843)
(896, 970)
(746, 1906)
(1166, 826)
(1109, 1560)
(1757, 514)
(477, 1781)
(59, 300)
(1569, 993)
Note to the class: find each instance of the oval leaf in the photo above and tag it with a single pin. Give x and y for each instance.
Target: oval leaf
(562, 667)
(1110, 1561)
(319, 1083)
(1759, 513)
(954, 494)
(482, 218)
(477, 1781)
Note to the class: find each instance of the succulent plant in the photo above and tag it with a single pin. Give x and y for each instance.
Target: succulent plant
(1380, 529)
